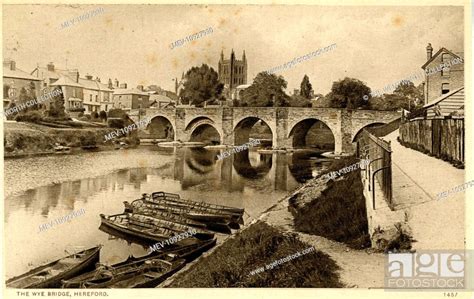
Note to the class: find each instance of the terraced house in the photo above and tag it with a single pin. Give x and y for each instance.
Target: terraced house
(16, 82)
(85, 95)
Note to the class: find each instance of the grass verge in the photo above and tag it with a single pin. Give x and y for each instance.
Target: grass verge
(339, 213)
(259, 245)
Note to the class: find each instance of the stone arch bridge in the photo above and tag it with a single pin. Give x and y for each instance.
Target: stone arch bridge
(288, 125)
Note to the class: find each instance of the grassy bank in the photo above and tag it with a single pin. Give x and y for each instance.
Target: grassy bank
(338, 212)
(230, 264)
(20, 138)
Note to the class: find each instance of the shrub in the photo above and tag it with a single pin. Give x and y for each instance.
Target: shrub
(95, 115)
(103, 115)
(29, 116)
(115, 123)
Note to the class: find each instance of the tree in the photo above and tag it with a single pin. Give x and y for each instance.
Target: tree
(299, 101)
(349, 93)
(201, 85)
(411, 93)
(117, 113)
(56, 103)
(267, 90)
(306, 88)
(103, 115)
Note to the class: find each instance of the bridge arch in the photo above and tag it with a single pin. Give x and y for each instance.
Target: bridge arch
(298, 134)
(158, 127)
(249, 168)
(358, 131)
(244, 126)
(196, 130)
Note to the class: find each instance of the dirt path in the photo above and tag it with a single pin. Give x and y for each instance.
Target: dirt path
(359, 268)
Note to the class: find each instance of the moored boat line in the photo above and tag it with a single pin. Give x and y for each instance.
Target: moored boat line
(149, 221)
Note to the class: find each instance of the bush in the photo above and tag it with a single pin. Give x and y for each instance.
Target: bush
(117, 113)
(95, 115)
(103, 115)
(29, 116)
(87, 140)
(115, 123)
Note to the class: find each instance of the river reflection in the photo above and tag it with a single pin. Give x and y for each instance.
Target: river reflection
(250, 180)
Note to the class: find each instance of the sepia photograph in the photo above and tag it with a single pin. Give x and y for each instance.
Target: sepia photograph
(195, 146)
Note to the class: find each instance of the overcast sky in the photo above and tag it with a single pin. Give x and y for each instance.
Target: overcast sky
(378, 45)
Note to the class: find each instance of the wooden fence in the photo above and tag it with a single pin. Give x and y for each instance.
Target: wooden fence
(442, 138)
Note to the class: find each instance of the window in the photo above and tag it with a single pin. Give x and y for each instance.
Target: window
(73, 92)
(96, 98)
(90, 97)
(444, 88)
(445, 71)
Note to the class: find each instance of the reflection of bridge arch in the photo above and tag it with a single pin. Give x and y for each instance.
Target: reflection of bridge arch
(201, 160)
(197, 126)
(158, 127)
(298, 133)
(359, 130)
(244, 167)
(243, 128)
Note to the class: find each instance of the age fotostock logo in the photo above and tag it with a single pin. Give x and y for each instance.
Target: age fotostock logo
(426, 270)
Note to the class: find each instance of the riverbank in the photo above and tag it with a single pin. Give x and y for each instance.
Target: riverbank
(22, 139)
(349, 264)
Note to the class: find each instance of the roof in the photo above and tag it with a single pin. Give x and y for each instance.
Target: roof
(89, 84)
(442, 97)
(439, 52)
(160, 98)
(66, 81)
(130, 91)
(17, 73)
(56, 74)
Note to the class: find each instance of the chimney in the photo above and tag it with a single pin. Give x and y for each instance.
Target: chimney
(110, 85)
(429, 51)
(123, 85)
(116, 83)
(140, 87)
(88, 77)
(74, 74)
(50, 67)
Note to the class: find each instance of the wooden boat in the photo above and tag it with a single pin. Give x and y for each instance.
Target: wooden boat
(176, 198)
(129, 225)
(50, 275)
(176, 227)
(180, 210)
(236, 214)
(147, 209)
(145, 273)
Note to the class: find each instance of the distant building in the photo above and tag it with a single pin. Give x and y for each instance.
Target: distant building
(97, 96)
(127, 99)
(16, 81)
(232, 72)
(444, 81)
(161, 101)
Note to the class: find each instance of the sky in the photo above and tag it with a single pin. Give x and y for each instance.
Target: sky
(377, 45)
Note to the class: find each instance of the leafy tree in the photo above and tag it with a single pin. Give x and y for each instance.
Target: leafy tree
(405, 96)
(267, 90)
(103, 115)
(201, 85)
(348, 93)
(117, 113)
(56, 107)
(411, 93)
(306, 88)
(299, 101)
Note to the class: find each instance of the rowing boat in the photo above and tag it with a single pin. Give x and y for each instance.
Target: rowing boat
(51, 274)
(176, 198)
(144, 273)
(185, 211)
(148, 210)
(129, 225)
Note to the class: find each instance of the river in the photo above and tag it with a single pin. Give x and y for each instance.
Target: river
(41, 189)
